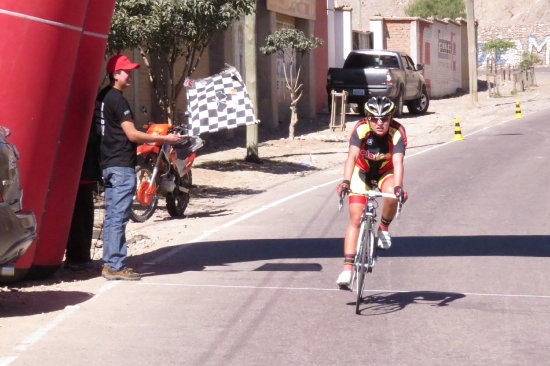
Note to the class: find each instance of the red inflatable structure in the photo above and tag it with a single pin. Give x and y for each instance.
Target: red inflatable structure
(51, 64)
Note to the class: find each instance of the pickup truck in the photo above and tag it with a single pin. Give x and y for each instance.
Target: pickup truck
(368, 73)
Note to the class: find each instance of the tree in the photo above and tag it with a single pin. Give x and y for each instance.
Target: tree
(496, 47)
(436, 8)
(166, 31)
(528, 60)
(288, 42)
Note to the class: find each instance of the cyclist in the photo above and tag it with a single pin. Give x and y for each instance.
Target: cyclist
(375, 157)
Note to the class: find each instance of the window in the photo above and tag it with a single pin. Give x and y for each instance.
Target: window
(360, 61)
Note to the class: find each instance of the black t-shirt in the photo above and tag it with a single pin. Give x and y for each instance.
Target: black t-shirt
(111, 109)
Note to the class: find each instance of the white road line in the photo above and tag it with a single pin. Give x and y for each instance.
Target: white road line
(235, 221)
(452, 141)
(39, 333)
(141, 283)
(23, 346)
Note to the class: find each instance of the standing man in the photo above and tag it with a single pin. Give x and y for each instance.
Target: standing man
(115, 121)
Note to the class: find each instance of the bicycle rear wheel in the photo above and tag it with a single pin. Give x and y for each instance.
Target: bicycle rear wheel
(361, 264)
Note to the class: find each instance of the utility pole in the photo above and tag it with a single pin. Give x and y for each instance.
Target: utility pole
(472, 49)
(251, 85)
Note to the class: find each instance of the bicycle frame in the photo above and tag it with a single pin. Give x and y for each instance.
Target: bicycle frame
(365, 251)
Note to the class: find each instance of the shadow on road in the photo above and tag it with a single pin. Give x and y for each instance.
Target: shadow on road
(384, 303)
(267, 165)
(197, 256)
(464, 246)
(17, 303)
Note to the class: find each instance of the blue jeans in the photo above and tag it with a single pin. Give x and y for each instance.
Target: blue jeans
(120, 187)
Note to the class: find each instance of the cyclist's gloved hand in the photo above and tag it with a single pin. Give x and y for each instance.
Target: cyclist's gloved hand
(343, 188)
(400, 193)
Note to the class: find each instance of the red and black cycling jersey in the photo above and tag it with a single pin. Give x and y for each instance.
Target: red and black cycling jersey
(376, 151)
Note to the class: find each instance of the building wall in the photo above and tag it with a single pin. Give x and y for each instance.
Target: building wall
(533, 38)
(273, 98)
(266, 70)
(342, 35)
(320, 55)
(443, 49)
(397, 35)
(436, 44)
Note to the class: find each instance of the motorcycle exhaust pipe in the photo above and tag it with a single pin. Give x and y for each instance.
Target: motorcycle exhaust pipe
(7, 271)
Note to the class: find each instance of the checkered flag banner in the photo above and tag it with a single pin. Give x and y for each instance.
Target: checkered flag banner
(218, 102)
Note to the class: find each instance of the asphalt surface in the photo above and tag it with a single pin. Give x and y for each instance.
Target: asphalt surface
(465, 282)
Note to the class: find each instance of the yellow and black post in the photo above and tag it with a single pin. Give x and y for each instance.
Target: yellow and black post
(518, 110)
(458, 133)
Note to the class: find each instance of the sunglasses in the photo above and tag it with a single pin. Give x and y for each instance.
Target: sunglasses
(375, 120)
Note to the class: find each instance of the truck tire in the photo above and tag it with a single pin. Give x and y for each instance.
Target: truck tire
(361, 108)
(399, 104)
(420, 105)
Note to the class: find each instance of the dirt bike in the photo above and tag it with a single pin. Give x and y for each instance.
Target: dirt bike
(164, 169)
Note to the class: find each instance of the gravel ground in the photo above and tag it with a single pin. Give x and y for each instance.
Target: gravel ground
(222, 178)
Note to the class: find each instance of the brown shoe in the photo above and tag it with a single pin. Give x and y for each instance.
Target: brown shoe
(125, 274)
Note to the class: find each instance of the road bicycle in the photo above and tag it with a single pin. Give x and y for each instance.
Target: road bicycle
(365, 255)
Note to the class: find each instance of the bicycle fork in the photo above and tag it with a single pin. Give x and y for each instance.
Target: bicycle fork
(369, 218)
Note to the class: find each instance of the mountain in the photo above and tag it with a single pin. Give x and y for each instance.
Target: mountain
(489, 13)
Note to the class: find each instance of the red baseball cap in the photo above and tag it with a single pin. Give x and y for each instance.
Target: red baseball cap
(120, 62)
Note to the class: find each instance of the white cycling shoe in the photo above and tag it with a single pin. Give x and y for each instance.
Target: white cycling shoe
(384, 240)
(344, 279)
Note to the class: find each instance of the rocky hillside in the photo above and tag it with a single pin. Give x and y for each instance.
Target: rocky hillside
(487, 12)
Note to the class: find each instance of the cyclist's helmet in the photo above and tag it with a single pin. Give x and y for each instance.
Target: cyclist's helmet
(379, 107)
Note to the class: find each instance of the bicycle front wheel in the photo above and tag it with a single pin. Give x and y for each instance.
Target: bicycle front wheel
(361, 264)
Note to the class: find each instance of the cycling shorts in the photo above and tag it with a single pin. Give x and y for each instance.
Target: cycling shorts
(361, 180)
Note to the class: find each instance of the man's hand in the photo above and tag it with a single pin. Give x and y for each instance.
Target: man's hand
(172, 138)
(343, 188)
(400, 193)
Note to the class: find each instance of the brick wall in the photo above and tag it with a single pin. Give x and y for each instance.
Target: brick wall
(397, 35)
(528, 38)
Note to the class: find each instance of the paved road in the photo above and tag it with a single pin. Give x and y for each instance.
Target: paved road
(465, 283)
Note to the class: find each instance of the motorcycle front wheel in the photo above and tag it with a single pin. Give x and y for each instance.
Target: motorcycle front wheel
(177, 201)
(139, 212)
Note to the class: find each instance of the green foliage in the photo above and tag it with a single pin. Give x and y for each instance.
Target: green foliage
(498, 46)
(529, 60)
(166, 31)
(162, 25)
(287, 39)
(437, 8)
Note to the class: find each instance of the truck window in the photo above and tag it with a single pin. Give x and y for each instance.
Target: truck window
(406, 63)
(359, 61)
(389, 62)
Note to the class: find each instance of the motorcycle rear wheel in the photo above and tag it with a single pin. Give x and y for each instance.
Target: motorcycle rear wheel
(177, 201)
(138, 212)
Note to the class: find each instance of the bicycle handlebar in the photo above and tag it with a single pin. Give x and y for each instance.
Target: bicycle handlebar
(372, 194)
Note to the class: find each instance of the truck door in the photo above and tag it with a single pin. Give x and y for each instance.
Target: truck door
(412, 79)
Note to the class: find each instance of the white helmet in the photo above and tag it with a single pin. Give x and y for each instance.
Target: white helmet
(379, 107)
